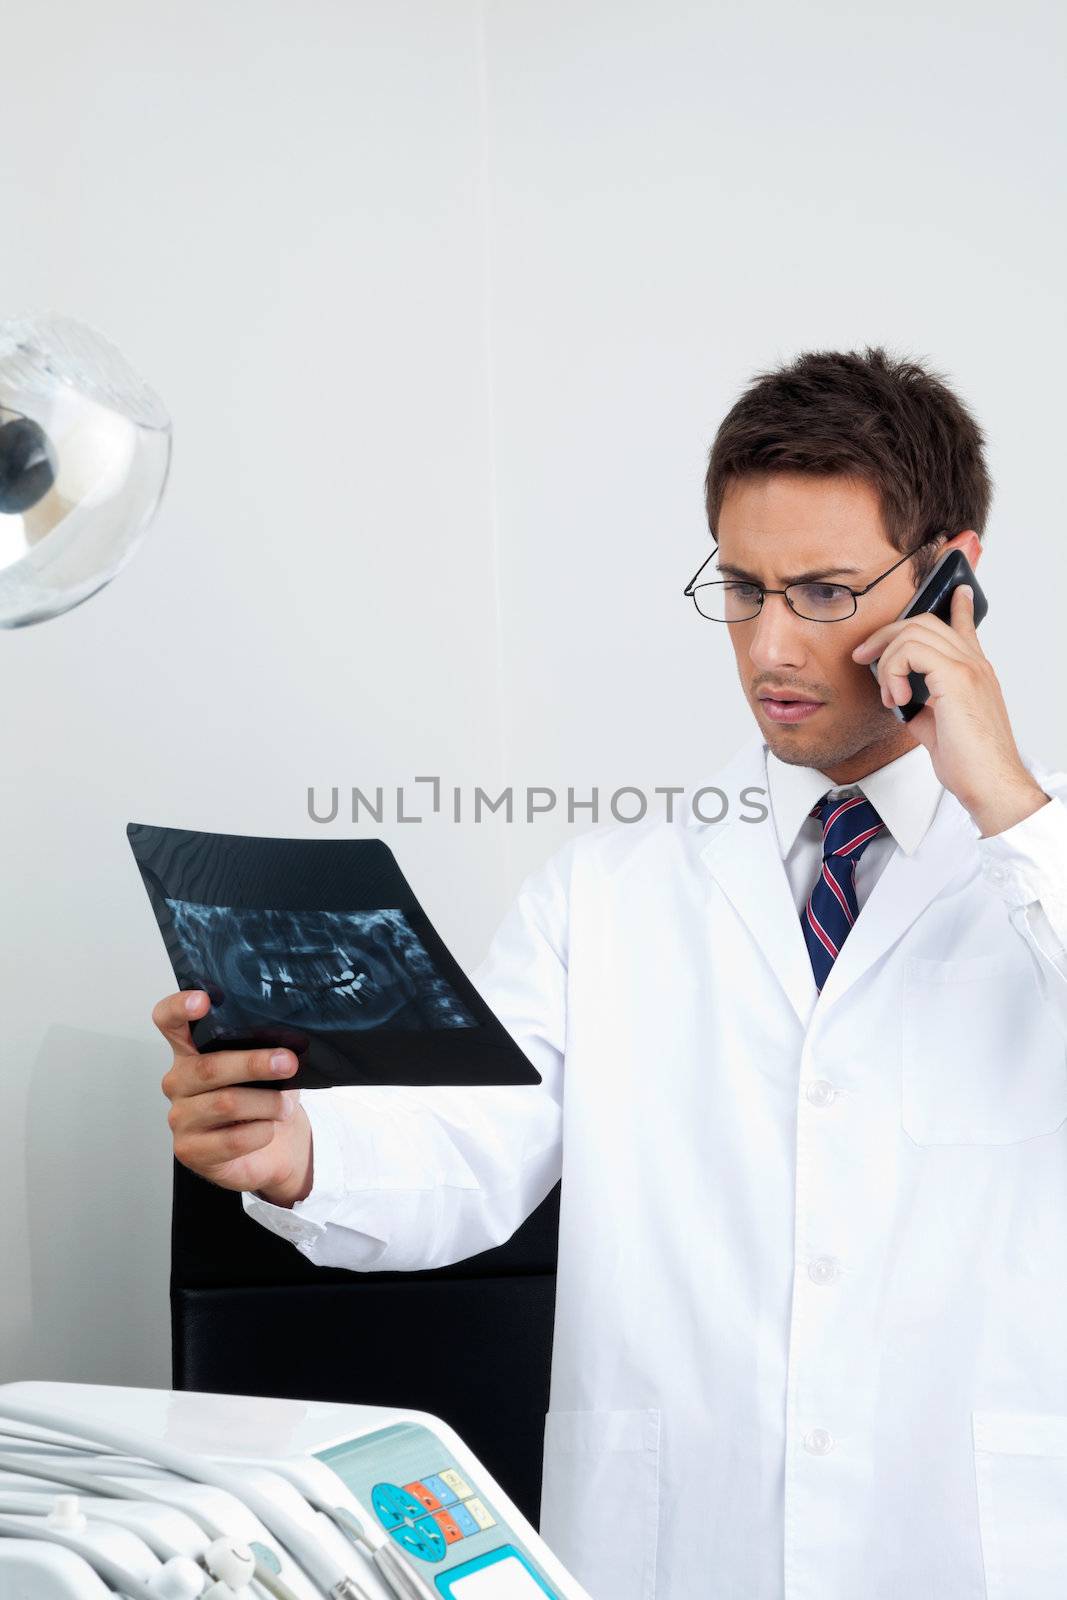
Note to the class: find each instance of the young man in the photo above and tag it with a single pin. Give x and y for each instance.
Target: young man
(804, 1077)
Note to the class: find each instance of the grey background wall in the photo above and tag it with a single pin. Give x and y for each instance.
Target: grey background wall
(446, 301)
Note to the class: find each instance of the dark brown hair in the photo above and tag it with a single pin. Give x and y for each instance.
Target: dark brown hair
(887, 421)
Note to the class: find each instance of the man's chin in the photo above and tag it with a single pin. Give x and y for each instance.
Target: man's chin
(794, 749)
(823, 741)
(812, 742)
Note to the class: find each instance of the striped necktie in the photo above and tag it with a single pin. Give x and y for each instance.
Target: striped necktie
(848, 826)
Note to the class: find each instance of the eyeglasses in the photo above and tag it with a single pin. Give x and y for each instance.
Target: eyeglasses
(738, 600)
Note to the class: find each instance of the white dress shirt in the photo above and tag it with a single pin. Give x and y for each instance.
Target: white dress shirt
(905, 794)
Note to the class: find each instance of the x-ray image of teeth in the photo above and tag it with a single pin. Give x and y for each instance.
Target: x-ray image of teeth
(318, 969)
(320, 946)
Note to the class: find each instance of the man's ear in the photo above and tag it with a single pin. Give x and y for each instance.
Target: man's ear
(970, 543)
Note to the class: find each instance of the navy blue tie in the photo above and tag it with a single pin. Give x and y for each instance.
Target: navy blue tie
(848, 826)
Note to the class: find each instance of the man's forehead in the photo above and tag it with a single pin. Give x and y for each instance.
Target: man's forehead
(786, 501)
(800, 523)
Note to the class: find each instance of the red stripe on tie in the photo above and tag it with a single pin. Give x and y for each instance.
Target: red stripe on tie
(820, 932)
(836, 887)
(846, 805)
(859, 839)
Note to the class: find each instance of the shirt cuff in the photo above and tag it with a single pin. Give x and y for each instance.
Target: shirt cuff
(305, 1222)
(1028, 862)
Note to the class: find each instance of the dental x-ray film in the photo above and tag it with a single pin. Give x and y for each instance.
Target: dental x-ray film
(319, 945)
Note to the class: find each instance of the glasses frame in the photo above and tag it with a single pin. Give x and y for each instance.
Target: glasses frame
(692, 586)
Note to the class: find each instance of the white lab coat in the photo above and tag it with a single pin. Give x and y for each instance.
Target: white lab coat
(805, 1347)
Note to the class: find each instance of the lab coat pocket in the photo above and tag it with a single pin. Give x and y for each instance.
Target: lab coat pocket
(1020, 1462)
(600, 1499)
(982, 1062)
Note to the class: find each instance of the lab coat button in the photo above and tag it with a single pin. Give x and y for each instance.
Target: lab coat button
(818, 1442)
(820, 1093)
(823, 1270)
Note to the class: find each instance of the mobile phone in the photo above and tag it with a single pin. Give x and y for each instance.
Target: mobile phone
(935, 596)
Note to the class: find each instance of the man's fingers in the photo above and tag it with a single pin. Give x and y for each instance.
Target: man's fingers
(172, 1017)
(961, 610)
(203, 1112)
(959, 632)
(203, 1074)
(201, 1151)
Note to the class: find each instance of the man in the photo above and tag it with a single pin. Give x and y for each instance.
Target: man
(804, 1077)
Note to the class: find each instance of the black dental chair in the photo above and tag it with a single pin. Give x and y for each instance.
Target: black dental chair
(470, 1343)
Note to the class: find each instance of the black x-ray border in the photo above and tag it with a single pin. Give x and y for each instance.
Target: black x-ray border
(341, 875)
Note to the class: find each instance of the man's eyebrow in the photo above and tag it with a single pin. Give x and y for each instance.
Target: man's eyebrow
(802, 577)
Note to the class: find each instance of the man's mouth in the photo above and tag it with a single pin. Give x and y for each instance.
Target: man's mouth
(783, 706)
(789, 695)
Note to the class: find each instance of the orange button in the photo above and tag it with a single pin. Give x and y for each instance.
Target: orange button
(424, 1496)
(448, 1526)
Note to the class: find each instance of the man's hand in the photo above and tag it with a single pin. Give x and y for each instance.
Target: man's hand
(239, 1138)
(964, 723)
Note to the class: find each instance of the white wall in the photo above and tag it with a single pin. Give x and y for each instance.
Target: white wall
(446, 302)
(277, 212)
(687, 193)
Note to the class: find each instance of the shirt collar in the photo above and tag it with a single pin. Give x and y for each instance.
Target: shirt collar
(904, 792)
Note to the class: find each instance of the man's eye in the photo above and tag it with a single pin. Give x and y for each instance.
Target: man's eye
(745, 591)
(823, 594)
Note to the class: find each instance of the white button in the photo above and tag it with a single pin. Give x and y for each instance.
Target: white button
(823, 1270)
(997, 874)
(820, 1093)
(818, 1442)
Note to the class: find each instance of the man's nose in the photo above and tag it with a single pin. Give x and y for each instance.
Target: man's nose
(779, 636)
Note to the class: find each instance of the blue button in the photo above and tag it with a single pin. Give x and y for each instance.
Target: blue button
(463, 1520)
(424, 1540)
(439, 1487)
(394, 1505)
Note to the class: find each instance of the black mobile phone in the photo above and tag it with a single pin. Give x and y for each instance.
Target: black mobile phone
(936, 596)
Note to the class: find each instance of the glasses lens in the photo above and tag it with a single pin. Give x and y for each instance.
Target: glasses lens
(821, 602)
(727, 602)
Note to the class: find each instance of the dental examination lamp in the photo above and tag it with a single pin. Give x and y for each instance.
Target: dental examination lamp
(84, 453)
